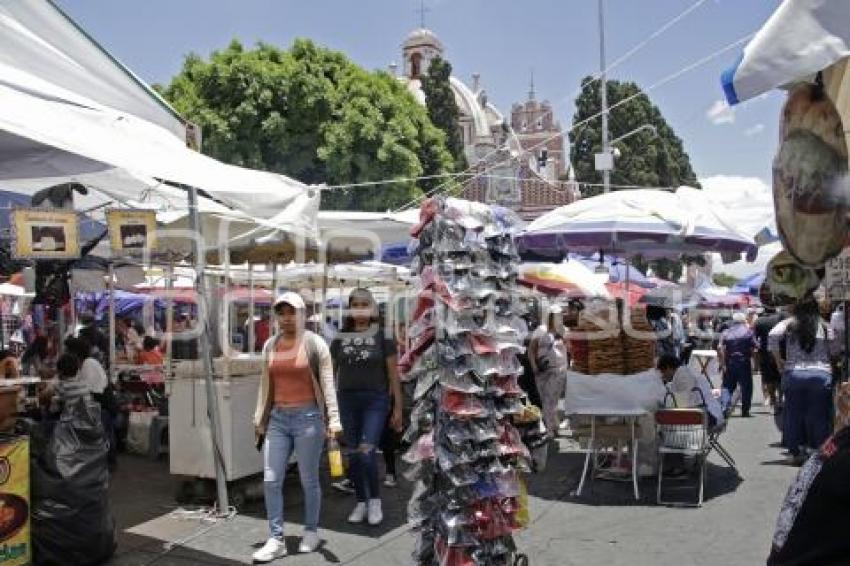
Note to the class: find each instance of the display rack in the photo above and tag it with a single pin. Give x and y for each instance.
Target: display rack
(468, 459)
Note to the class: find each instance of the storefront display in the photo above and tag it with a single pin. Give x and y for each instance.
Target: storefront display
(467, 456)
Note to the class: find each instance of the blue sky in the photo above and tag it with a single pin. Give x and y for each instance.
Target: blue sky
(501, 39)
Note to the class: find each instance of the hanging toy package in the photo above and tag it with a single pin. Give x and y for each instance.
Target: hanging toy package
(472, 431)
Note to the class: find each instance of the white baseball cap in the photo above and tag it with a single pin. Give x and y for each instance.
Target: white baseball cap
(290, 298)
(555, 309)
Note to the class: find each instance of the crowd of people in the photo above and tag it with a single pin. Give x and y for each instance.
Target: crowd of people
(319, 382)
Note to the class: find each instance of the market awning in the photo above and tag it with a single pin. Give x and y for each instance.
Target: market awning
(36, 127)
(801, 38)
(37, 38)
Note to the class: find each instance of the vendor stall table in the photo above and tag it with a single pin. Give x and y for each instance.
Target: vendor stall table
(620, 431)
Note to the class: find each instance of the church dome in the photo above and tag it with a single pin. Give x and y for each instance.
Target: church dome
(422, 37)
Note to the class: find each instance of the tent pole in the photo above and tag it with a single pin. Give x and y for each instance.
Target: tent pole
(251, 337)
(846, 341)
(206, 353)
(110, 285)
(169, 319)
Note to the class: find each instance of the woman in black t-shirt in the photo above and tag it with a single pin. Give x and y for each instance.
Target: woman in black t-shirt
(365, 362)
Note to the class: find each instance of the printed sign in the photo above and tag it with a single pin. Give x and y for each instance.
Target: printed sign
(131, 231)
(15, 546)
(837, 279)
(45, 233)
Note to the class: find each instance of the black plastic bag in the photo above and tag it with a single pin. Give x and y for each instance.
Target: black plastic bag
(72, 522)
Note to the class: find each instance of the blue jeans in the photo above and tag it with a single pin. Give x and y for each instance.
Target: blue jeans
(363, 413)
(807, 418)
(300, 429)
(738, 373)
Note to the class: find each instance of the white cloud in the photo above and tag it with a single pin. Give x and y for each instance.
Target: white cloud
(720, 113)
(747, 205)
(754, 130)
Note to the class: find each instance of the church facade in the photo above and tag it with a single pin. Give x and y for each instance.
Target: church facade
(507, 168)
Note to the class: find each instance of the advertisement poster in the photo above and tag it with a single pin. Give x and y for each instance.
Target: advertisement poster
(131, 231)
(45, 234)
(15, 548)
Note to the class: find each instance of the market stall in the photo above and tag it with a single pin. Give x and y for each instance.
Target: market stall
(619, 338)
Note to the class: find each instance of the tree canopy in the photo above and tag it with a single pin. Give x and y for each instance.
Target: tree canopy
(646, 158)
(442, 107)
(310, 113)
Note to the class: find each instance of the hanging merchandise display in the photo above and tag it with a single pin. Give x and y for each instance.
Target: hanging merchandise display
(809, 177)
(472, 434)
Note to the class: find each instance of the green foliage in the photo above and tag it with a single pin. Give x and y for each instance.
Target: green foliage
(650, 159)
(442, 107)
(310, 113)
(667, 269)
(646, 159)
(724, 280)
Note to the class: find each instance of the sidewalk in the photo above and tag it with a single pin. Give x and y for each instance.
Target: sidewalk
(604, 526)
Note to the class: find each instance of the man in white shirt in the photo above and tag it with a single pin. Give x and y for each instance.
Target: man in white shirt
(696, 390)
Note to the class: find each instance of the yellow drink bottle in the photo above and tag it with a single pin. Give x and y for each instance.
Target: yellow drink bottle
(335, 459)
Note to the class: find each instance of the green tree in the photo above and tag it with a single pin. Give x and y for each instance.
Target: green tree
(647, 158)
(724, 280)
(652, 159)
(310, 113)
(442, 107)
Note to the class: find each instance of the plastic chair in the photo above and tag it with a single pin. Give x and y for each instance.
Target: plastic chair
(684, 432)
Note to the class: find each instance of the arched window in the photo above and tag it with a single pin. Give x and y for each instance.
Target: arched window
(415, 65)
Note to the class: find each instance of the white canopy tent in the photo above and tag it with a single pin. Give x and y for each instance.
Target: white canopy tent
(365, 232)
(133, 154)
(70, 112)
(38, 39)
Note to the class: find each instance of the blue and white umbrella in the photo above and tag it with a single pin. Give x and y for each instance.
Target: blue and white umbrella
(646, 222)
(801, 38)
(749, 285)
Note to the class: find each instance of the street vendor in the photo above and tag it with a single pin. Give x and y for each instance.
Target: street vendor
(548, 358)
(151, 354)
(682, 384)
(130, 338)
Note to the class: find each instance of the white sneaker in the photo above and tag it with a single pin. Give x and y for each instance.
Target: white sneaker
(375, 513)
(309, 542)
(273, 549)
(390, 481)
(359, 513)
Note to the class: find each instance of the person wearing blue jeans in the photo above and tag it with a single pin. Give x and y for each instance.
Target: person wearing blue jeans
(736, 348)
(296, 405)
(300, 430)
(804, 346)
(738, 374)
(807, 421)
(365, 360)
(364, 417)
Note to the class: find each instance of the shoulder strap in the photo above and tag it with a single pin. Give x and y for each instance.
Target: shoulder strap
(312, 354)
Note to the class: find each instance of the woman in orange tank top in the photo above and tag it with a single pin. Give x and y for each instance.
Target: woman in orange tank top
(290, 413)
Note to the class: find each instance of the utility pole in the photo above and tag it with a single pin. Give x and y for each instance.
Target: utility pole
(607, 159)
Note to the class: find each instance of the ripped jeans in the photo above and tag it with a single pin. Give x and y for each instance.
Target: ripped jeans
(302, 430)
(363, 413)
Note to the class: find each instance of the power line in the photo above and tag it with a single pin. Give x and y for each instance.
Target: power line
(393, 181)
(658, 84)
(595, 78)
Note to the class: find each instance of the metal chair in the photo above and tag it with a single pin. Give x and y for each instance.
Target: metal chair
(684, 432)
(714, 433)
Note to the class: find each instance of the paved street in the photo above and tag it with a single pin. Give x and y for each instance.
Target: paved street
(604, 526)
